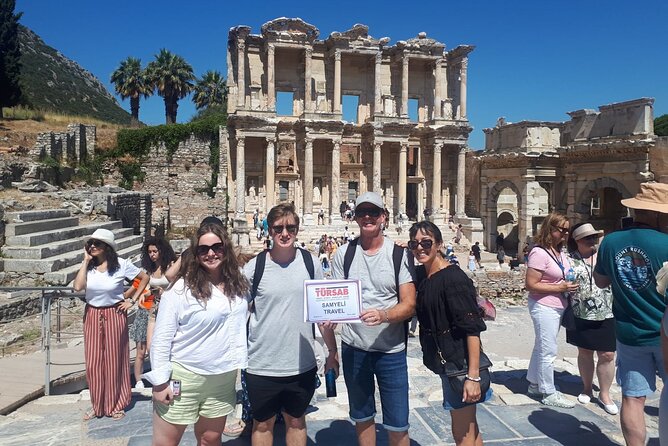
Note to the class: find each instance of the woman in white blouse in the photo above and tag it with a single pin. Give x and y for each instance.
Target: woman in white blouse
(199, 342)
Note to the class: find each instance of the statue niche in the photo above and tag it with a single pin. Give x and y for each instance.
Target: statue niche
(287, 158)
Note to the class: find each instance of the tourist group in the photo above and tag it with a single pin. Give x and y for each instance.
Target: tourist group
(213, 312)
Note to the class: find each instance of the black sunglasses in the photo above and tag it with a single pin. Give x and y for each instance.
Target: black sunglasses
(217, 248)
(425, 243)
(278, 229)
(562, 230)
(371, 212)
(96, 243)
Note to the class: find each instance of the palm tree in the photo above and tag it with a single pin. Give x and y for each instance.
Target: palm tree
(171, 76)
(210, 91)
(130, 82)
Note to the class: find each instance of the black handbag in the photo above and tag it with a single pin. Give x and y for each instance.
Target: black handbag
(568, 316)
(456, 371)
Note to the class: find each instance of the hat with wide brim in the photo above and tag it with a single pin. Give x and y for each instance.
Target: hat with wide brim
(104, 235)
(585, 231)
(652, 197)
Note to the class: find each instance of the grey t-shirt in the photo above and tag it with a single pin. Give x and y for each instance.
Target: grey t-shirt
(280, 343)
(379, 290)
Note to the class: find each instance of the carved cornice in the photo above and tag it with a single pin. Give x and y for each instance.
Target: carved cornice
(293, 28)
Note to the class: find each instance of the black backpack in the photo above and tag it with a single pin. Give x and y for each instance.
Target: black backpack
(397, 256)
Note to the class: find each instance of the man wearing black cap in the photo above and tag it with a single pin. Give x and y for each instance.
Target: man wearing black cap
(377, 346)
(629, 260)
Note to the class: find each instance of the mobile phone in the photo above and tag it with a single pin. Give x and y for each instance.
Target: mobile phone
(175, 385)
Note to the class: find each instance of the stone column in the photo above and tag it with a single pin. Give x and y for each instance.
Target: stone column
(404, 86)
(436, 184)
(240, 211)
(271, 86)
(270, 169)
(462, 88)
(308, 103)
(337, 82)
(403, 154)
(461, 182)
(377, 166)
(308, 181)
(241, 67)
(437, 90)
(377, 92)
(335, 186)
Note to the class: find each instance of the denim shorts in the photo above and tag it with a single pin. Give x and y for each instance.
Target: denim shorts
(451, 401)
(637, 367)
(391, 372)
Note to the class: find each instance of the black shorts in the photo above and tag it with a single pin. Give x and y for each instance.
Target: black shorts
(270, 394)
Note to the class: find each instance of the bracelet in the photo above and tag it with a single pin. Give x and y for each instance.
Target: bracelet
(332, 350)
(387, 318)
(475, 380)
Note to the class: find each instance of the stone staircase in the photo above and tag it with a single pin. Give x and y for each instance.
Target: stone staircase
(49, 243)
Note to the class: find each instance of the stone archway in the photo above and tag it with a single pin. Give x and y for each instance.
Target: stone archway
(599, 203)
(493, 207)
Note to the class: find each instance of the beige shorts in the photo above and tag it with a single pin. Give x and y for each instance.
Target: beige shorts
(209, 396)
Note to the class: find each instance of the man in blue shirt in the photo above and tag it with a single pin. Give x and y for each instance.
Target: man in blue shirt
(629, 260)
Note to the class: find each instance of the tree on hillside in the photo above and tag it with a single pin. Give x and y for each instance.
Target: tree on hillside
(10, 65)
(210, 91)
(661, 126)
(171, 76)
(130, 82)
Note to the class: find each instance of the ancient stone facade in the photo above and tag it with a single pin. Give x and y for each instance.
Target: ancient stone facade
(309, 155)
(69, 147)
(582, 167)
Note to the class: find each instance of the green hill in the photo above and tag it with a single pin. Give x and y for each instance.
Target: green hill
(50, 81)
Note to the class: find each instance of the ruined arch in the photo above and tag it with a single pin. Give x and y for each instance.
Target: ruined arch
(493, 209)
(609, 192)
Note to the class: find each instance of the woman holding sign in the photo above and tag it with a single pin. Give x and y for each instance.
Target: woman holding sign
(450, 327)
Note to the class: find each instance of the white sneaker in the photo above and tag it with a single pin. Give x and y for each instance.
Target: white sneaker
(557, 399)
(583, 398)
(534, 391)
(139, 385)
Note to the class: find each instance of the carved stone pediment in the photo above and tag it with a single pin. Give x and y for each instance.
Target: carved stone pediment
(293, 27)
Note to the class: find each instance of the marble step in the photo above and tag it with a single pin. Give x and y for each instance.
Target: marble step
(54, 235)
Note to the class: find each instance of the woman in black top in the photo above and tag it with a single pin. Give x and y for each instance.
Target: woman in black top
(450, 324)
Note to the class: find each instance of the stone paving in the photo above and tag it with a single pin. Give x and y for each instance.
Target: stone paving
(510, 418)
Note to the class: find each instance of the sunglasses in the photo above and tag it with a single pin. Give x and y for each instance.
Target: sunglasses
(278, 229)
(425, 243)
(590, 237)
(95, 244)
(562, 230)
(217, 248)
(371, 212)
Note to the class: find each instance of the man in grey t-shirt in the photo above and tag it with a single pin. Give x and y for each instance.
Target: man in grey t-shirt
(376, 347)
(281, 361)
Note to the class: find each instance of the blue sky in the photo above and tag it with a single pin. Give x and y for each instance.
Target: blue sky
(534, 60)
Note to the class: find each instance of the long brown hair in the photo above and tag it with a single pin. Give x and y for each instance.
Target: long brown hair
(197, 279)
(553, 221)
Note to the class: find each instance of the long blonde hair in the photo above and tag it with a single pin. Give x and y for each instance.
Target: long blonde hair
(553, 221)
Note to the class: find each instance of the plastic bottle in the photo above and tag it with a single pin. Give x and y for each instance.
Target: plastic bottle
(570, 275)
(330, 383)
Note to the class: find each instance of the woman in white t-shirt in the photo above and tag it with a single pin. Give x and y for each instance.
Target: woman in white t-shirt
(102, 275)
(199, 342)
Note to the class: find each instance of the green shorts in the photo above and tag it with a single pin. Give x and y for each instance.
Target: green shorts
(209, 396)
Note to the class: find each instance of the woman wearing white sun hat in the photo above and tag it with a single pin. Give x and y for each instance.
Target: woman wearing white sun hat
(102, 275)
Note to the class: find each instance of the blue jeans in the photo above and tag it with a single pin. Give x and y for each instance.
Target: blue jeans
(391, 371)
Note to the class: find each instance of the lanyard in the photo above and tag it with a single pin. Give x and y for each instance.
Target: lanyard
(560, 264)
(589, 268)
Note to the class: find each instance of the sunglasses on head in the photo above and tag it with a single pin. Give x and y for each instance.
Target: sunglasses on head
(278, 229)
(425, 243)
(94, 243)
(371, 212)
(562, 230)
(217, 248)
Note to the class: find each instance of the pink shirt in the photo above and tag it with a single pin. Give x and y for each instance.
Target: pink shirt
(541, 261)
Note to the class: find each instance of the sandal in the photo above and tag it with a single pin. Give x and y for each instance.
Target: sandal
(89, 414)
(118, 415)
(234, 430)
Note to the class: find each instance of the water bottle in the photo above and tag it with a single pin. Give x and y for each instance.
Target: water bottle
(330, 383)
(570, 275)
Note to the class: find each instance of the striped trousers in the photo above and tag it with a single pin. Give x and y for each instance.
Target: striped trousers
(107, 354)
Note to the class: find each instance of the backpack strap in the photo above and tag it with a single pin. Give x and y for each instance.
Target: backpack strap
(260, 261)
(397, 257)
(348, 258)
(308, 262)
